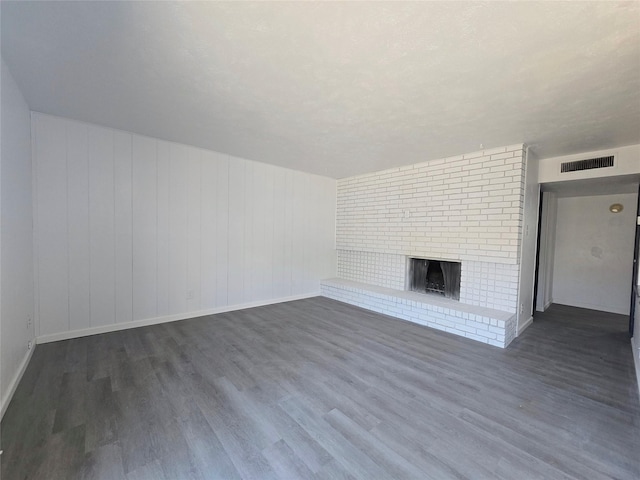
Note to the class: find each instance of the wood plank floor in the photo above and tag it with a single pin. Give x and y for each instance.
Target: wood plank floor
(316, 389)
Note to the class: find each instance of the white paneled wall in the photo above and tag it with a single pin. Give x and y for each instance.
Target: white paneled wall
(16, 238)
(132, 230)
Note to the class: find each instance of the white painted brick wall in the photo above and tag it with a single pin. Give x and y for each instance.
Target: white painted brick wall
(486, 284)
(491, 285)
(467, 207)
(382, 269)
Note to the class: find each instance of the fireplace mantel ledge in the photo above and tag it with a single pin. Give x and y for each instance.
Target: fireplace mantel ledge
(495, 327)
(427, 299)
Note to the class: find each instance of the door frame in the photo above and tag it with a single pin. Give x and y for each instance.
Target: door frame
(634, 276)
(537, 267)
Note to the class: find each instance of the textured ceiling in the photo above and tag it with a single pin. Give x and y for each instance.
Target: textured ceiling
(337, 88)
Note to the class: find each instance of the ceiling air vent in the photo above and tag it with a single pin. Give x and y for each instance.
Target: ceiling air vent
(588, 164)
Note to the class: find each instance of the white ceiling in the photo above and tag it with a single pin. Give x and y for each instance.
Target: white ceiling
(337, 88)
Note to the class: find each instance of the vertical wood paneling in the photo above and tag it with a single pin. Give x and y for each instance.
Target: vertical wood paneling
(288, 232)
(261, 267)
(318, 253)
(248, 268)
(268, 290)
(78, 225)
(269, 194)
(123, 226)
(328, 253)
(194, 226)
(222, 232)
(101, 226)
(300, 219)
(208, 225)
(129, 227)
(235, 285)
(144, 228)
(178, 174)
(51, 195)
(311, 235)
(278, 222)
(255, 231)
(163, 252)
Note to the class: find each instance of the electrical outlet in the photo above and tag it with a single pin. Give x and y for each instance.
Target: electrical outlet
(521, 308)
(29, 345)
(29, 322)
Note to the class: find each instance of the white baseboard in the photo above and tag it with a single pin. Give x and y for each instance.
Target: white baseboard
(522, 326)
(590, 306)
(15, 381)
(635, 347)
(55, 337)
(545, 306)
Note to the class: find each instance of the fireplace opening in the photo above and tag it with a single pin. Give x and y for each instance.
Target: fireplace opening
(435, 277)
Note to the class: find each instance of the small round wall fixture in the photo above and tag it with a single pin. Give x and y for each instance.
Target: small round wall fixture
(616, 208)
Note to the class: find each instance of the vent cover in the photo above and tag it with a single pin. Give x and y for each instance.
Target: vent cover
(588, 164)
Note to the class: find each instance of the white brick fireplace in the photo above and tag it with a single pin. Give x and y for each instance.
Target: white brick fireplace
(465, 209)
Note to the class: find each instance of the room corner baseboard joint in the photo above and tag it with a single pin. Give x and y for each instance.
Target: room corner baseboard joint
(16, 380)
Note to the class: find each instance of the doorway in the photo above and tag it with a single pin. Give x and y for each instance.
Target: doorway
(586, 246)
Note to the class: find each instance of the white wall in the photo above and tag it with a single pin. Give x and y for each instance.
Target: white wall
(529, 241)
(594, 252)
(16, 239)
(132, 230)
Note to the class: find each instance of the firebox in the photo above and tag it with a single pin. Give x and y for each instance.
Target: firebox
(437, 277)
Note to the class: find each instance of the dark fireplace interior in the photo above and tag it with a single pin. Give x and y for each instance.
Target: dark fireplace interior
(435, 276)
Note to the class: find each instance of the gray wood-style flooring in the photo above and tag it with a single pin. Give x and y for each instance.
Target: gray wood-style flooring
(316, 389)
